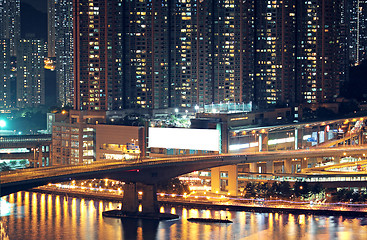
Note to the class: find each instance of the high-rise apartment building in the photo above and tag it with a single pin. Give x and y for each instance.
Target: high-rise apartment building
(97, 54)
(234, 51)
(9, 38)
(275, 44)
(10, 23)
(202, 52)
(356, 20)
(30, 73)
(5, 68)
(51, 27)
(64, 50)
(318, 50)
(191, 75)
(146, 59)
(186, 53)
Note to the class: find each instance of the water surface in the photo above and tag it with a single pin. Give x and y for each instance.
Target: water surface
(36, 216)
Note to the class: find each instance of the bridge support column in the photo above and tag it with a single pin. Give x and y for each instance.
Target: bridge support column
(287, 166)
(130, 200)
(149, 200)
(304, 163)
(260, 142)
(232, 179)
(336, 160)
(296, 138)
(215, 179)
(270, 167)
(40, 156)
(253, 167)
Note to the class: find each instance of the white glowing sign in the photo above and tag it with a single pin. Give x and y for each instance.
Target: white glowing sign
(243, 146)
(184, 138)
(280, 140)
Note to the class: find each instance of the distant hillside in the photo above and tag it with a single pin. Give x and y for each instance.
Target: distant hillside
(33, 21)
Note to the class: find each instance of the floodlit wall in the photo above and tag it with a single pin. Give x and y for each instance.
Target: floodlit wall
(184, 138)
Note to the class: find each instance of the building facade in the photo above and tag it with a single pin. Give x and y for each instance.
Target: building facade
(30, 73)
(161, 54)
(318, 51)
(10, 23)
(277, 53)
(355, 12)
(5, 70)
(97, 54)
(64, 50)
(51, 28)
(9, 39)
(83, 137)
(275, 44)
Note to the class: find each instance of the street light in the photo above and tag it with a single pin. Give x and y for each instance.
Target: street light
(2, 123)
(196, 108)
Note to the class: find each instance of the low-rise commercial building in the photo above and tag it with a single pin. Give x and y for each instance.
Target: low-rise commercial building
(83, 137)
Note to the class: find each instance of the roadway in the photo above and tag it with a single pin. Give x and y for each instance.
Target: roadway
(152, 171)
(25, 141)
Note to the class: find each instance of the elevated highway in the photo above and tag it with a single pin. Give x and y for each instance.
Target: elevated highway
(152, 171)
(25, 141)
(38, 148)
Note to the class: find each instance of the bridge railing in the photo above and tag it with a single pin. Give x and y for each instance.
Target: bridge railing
(25, 138)
(33, 173)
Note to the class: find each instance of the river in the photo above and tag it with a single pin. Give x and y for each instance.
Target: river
(37, 216)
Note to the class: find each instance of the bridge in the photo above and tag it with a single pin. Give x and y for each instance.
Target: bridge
(152, 171)
(18, 141)
(38, 148)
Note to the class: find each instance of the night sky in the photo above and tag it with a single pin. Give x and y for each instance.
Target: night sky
(33, 21)
(40, 5)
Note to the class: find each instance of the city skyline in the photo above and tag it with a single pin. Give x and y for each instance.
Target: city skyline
(189, 54)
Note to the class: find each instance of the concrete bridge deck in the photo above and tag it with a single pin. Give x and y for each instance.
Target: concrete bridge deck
(151, 171)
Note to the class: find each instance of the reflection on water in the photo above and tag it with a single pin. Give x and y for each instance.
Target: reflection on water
(27, 215)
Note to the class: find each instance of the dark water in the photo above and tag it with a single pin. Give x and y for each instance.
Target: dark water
(37, 216)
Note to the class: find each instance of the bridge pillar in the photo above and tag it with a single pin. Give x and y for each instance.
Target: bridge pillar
(270, 167)
(287, 166)
(215, 179)
(232, 179)
(260, 142)
(40, 156)
(149, 200)
(304, 163)
(130, 200)
(253, 167)
(296, 139)
(336, 160)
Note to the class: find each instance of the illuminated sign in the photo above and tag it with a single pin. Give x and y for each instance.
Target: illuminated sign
(280, 140)
(306, 137)
(235, 147)
(184, 138)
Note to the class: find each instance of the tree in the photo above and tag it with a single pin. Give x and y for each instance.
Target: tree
(263, 190)
(301, 189)
(174, 185)
(250, 190)
(343, 195)
(4, 167)
(317, 188)
(274, 189)
(284, 189)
